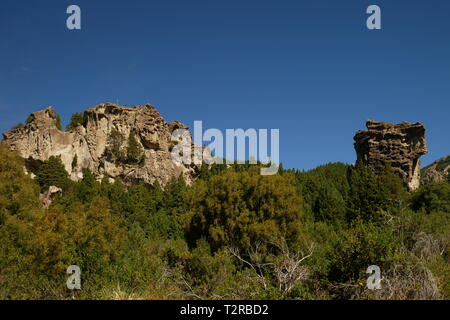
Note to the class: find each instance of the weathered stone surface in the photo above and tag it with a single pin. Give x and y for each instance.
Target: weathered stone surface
(40, 139)
(46, 198)
(438, 171)
(401, 145)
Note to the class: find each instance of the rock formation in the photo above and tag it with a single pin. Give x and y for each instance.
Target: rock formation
(438, 171)
(89, 145)
(401, 145)
(46, 198)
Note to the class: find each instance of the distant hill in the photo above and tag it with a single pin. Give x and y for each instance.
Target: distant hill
(438, 171)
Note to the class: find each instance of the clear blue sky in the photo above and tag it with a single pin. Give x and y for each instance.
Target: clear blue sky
(310, 68)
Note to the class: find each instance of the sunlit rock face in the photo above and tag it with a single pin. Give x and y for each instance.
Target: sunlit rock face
(401, 145)
(40, 138)
(438, 171)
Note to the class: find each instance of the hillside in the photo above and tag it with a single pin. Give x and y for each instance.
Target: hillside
(438, 171)
(231, 234)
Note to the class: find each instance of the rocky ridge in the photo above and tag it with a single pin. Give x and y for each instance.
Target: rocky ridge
(88, 145)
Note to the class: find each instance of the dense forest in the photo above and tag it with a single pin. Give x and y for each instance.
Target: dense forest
(232, 234)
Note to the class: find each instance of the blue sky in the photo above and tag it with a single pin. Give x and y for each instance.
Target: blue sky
(310, 68)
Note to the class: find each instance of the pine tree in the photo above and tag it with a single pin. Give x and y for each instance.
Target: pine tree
(368, 196)
(243, 208)
(134, 150)
(75, 162)
(58, 122)
(52, 173)
(115, 141)
(17, 126)
(75, 120)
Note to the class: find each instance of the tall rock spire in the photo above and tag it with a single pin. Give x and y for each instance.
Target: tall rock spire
(400, 145)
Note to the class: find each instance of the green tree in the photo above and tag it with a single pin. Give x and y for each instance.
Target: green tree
(395, 186)
(89, 236)
(74, 162)
(325, 190)
(432, 197)
(354, 249)
(115, 142)
(87, 188)
(368, 197)
(243, 209)
(52, 173)
(19, 207)
(58, 122)
(18, 126)
(29, 119)
(330, 205)
(134, 150)
(173, 196)
(75, 120)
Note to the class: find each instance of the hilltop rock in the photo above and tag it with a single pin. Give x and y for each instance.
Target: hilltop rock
(438, 171)
(89, 145)
(401, 145)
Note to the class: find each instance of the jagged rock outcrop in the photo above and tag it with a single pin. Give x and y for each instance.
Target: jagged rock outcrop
(438, 171)
(46, 198)
(89, 145)
(401, 145)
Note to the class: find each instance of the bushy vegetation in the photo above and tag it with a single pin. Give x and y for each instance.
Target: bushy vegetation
(52, 173)
(17, 126)
(135, 153)
(58, 122)
(233, 234)
(131, 153)
(29, 119)
(243, 208)
(76, 119)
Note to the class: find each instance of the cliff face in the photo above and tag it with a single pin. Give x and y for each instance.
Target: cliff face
(90, 143)
(401, 145)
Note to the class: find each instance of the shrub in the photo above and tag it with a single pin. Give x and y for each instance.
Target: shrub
(242, 209)
(135, 154)
(368, 198)
(29, 119)
(88, 236)
(74, 162)
(432, 197)
(357, 248)
(75, 120)
(18, 126)
(52, 173)
(19, 207)
(115, 142)
(58, 122)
